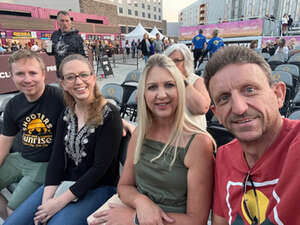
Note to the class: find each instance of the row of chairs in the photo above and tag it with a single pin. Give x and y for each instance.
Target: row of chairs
(278, 59)
(124, 95)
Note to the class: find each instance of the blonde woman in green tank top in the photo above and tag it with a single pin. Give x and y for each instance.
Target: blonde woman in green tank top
(168, 174)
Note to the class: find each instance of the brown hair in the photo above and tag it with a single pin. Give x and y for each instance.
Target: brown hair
(235, 55)
(25, 54)
(95, 110)
(62, 12)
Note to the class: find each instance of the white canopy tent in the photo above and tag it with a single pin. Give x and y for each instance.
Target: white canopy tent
(154, 32)
(136, 34)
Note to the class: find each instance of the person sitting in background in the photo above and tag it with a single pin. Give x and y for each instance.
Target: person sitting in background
(167, 178)
(282, 49)
(86, 151)
(269, 48)
(197, 97)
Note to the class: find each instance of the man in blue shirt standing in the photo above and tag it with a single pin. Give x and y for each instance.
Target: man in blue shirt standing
(215, 43)
(199, 43)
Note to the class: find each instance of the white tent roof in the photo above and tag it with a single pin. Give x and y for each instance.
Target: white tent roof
(155, 31)
(137, 33)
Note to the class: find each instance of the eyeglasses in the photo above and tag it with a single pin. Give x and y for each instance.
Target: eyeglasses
(254, 220)
(71, 77)
(177, 60)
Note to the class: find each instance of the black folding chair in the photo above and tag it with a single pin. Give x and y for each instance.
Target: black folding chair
(130, 108)
(295, 115)
(276, 60)
(292, 69)
(287, 78)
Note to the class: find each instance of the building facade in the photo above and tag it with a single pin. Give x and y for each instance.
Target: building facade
(202, 12)
(72, 5)
(214, 11)
(128, 13)
(237, 9)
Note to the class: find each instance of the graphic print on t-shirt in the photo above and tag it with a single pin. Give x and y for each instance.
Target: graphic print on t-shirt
(37, 130)
(256, 207)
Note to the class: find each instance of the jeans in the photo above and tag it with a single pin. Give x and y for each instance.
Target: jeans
(146, 57)
(75, 213)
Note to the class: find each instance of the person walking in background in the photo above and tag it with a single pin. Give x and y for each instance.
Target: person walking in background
(127, 47)
(65, 41)
(85, 153)
(146, 47)
(290, 22)
(158, 44)
(199, 45)
(133, 48)
(197, 97)
(168, 174)
(284, 24)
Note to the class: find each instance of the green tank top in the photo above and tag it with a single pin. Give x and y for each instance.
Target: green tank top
(164, 185)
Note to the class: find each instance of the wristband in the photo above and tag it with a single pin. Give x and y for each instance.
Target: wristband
(136, 220)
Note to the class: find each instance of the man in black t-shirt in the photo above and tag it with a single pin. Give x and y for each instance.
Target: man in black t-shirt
(32, 115)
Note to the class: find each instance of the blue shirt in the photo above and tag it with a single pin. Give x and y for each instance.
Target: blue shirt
(199, 41)
(214, 44)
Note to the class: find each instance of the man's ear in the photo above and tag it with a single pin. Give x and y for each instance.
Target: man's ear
(280, 92)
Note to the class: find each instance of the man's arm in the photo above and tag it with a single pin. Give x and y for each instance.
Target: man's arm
(218, 220)
(5, 145)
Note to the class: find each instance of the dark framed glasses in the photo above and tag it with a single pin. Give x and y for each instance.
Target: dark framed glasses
(255, 220)
(71, 77)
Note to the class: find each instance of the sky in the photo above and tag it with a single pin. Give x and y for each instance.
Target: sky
(171, 8)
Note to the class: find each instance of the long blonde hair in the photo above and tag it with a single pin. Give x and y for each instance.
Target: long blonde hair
(95, 114)
(182, 125)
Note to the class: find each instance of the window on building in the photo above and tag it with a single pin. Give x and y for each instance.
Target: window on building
(129, 12)
(123, 29)
(159, 17)
(136, 5)
(14, 13)
(159, 10)
(120, 10)
(136, 13)
(143, 5)
(130, 29)
(154, 16)
(94, 21)
(149, 15)
(149, 7)
(143, 14)
(154, 9)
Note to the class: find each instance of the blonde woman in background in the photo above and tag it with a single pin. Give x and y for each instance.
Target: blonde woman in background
(168, 174)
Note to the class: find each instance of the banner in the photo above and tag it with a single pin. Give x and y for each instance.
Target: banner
(226, 29)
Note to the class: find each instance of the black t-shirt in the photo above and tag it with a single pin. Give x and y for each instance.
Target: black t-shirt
(36, 121)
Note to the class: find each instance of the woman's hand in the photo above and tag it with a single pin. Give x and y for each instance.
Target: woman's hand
(116, 215)
(47, 210)
(149, 213)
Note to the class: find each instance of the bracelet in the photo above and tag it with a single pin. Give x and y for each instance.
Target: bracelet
(136, 220)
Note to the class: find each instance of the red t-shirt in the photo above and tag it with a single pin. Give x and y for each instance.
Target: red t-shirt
(275, 179)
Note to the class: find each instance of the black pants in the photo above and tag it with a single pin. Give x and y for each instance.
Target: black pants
(197, 54)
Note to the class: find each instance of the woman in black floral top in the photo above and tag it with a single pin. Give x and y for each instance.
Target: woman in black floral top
(86, 151)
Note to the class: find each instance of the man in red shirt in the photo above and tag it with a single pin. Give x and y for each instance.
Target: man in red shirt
(255, 179)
